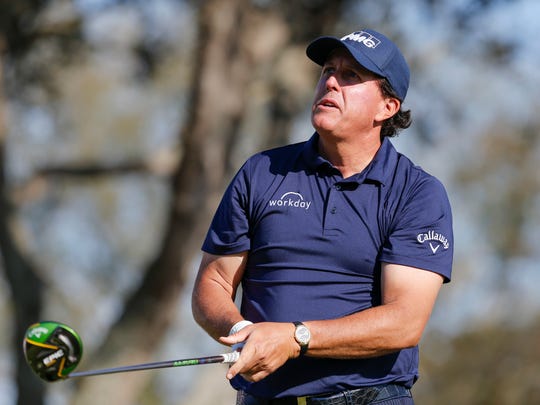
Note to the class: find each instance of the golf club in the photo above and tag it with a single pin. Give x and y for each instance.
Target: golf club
(53, 350)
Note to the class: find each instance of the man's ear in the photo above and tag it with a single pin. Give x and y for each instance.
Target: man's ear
(390, 107)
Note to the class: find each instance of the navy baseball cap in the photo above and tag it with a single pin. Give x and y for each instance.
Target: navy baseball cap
(373, 51)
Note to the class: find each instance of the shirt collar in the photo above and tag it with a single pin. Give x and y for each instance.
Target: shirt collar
(310, 154)
(378, 170)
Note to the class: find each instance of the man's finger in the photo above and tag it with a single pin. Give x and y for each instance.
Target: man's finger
(230, 340)
(235, 368)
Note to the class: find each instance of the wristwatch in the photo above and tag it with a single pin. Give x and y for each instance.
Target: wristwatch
(302, 336)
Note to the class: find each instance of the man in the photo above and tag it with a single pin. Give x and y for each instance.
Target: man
(340, 244)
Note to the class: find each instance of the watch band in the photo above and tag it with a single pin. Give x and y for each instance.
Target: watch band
(303, 342)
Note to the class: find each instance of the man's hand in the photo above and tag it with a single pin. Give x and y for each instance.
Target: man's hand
(268, 345)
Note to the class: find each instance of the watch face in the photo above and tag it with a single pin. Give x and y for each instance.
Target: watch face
(302, 335)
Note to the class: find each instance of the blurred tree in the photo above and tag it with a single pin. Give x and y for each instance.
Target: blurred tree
(25, 285)
(18, 33)
(495, 365)
(240, 46)
(509, 153)
(250, 81)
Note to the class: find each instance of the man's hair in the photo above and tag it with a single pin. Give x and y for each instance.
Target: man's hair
(401, 120)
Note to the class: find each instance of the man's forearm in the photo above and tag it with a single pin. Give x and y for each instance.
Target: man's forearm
(212, 300)
(214, 310)
(408, 298)
(373, 332)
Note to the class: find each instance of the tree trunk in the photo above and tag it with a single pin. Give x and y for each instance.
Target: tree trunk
(26, 288)
(220, 79)
(238, 44)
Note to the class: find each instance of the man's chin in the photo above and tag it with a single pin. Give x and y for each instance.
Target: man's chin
(323, 124)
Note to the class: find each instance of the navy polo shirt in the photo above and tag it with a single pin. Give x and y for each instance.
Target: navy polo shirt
(316, 242)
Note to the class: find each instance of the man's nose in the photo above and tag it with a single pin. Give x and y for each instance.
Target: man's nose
(332, 82)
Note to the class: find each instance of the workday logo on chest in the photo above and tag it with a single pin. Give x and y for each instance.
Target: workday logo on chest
(291, 199)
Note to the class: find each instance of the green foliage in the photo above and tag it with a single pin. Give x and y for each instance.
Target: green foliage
(494, 365)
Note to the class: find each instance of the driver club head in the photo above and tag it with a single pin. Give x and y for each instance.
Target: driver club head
(52, 350)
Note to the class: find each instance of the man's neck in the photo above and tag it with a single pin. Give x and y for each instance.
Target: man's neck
(349, 156)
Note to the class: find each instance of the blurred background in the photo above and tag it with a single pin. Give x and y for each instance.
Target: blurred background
(121, 123)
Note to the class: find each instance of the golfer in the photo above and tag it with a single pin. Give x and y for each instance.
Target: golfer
(340, 243)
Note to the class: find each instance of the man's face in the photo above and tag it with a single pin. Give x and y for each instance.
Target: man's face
(348, 100)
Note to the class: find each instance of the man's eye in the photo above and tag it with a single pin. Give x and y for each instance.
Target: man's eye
(328, 70)
(351, 75)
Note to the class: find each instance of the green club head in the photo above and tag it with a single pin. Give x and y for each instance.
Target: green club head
(52, 350)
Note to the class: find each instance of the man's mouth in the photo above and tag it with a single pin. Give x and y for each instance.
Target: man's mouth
(327, 102)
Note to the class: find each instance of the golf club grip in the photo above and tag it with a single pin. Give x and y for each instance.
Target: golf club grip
(221, 358)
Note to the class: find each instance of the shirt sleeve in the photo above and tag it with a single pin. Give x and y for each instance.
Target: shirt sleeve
(229, 230)
(421, 232)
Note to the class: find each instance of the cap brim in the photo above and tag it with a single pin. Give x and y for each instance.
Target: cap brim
(320, 48)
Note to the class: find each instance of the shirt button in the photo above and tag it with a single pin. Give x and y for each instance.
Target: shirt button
(338, 187)
(333, 210)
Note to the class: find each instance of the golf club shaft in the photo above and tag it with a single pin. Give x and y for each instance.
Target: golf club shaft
(221, 358)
